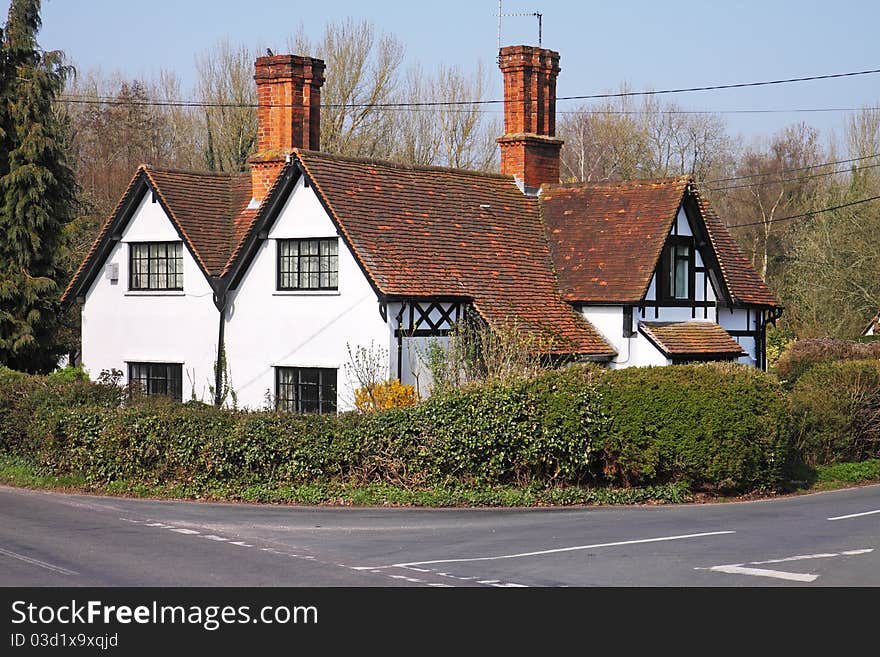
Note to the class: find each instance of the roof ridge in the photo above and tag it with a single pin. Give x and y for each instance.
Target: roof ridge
(637, 182)
(402, 166)
(192, 172)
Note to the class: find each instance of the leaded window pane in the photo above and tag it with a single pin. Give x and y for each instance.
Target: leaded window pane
(308, 264)
(157, 378)
(306, 390)
(156, 266)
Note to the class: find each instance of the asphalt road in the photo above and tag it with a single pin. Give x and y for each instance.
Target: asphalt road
(824, 539)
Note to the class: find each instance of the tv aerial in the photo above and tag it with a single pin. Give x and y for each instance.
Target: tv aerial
(535, 14)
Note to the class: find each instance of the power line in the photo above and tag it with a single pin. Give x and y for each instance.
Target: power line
(115, 101)
(788, 180)
(804, 168)
(716, 87)
(809, 214)
(623, 94)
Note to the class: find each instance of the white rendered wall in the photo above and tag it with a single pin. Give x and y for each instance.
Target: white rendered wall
(119, 326)
(634, 351)
(266, 328)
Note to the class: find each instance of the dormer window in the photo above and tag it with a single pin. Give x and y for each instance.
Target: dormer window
(155, 266)
(676, 273)
(310, 264)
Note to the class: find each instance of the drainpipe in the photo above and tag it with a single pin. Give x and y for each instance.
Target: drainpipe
(400, 342)
(220, 302)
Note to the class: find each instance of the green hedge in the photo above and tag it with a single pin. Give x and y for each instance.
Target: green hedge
(710, 426)
(834, 412)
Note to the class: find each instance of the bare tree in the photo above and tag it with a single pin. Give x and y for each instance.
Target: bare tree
(620, 139)
(362, 72)
(776, 183)
(229, 119)
(457, 135)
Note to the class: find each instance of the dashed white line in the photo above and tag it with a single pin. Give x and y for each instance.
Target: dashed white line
(855, 515)
(553, 551)
(183, 530)
(37, 562)
(440, 585)
(489, 581)
(213, 537)
(240, 543)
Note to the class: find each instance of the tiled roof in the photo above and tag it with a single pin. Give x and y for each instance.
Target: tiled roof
(692, 338)
(743, 282)
(426, 231)
(204, 206)
(209, 210)
(606, 238)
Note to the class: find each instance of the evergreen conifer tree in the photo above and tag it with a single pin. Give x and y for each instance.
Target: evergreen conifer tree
(37, 193)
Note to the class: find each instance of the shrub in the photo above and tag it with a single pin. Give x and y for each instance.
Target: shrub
(800, 356)
(710, 425)
(834, 412)
(582, 425)
(383, 396)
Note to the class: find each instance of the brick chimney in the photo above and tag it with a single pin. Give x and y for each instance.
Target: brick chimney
(288, 114)
(529, 148)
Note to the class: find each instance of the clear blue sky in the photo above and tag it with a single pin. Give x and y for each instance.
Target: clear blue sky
(645, 43)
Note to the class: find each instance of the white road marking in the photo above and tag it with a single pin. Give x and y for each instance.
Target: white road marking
(489, 581)
(847, 553)
(212, 537)
(181, 530)
(440, 584)
(745, 569)
(240, 543)
(553, 551)
(763, 572)
(37, 562)
(855, 515)
(510, 585)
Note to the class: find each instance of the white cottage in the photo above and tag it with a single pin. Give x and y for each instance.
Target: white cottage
(283, 272)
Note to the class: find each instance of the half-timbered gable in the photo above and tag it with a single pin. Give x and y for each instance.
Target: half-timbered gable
(634, 256)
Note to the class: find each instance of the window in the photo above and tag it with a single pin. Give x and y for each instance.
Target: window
(158, 378)
(677, 269)
(305, 390)
(155, 266)
(308, 264)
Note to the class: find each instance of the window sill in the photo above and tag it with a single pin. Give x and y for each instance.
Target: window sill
(305, 293)
(155, 293)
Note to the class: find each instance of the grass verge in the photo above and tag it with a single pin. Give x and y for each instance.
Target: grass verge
(15, 471)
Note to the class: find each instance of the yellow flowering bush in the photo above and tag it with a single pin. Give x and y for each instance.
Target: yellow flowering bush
(384, 395)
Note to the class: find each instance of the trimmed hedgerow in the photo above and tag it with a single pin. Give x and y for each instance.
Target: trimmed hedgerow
(710, 426)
